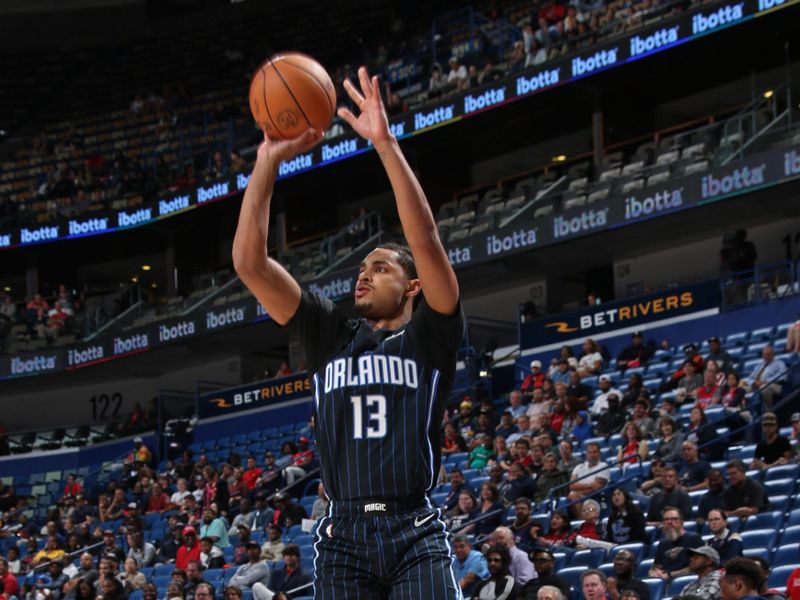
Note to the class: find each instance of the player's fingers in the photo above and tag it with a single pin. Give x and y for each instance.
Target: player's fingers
(363, 77)
(307, 140)
(348, 116)
(376, 90)
(353, 93)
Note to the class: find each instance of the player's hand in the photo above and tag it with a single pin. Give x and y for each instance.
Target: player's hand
(372, 123)
(277, 151)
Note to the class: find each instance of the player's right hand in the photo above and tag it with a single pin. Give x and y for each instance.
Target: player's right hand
(278, 151)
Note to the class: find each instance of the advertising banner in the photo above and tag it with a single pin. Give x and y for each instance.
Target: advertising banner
(256, 395)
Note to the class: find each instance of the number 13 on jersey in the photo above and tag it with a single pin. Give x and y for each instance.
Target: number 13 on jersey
(375, 416)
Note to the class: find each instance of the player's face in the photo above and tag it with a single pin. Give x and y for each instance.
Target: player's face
(382, 287)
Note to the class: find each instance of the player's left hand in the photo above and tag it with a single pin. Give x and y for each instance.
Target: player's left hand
(371, 123)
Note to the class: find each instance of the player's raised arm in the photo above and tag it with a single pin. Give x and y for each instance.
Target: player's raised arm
(438, 280)
(269, 282)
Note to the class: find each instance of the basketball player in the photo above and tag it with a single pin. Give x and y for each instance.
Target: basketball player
(380, 380)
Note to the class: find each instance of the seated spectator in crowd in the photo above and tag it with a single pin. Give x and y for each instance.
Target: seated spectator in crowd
(521, 525)
(501, 584)
(320, 507)
(703, 434)
(264, 515)
(132, 578)
(594, 584)
(633, 447)
(613, 419)
(592, 526)
(768, 377)
(567, 461)
(271, 476)
(490, 504)
(540, 405)
(727, 543)
(520, 566)
(551, 479)
(245, 517)
(588, 477)
(144, 553)
(693, 472)
(457, 484)
(273, 546)
(764, 590)
(714, 498)
(463, 511)
(715, 352)
(287, 513)
(506, 426)
(210, 555)
(691, 354)
(457, 78)
(578, 394)
(541, 427)
(560, 530)
(214, 528)
(691, 381)
(516, 408)
(534, 379)
(626, 523)
(704, 562)
(452, 441)
(669, 444)
(579, 428)
(561, 374)
(623, 580)
(251, 474)
(669, 496)
(742, 579)
(734, 400)
(672, 556)
(591, 361)
(51, 552)
(545, 563)
(189, 550)
(9, 583)
(464, 422)
(253, 575)
(631, 395)
(744, 496)
(469, 565)
(291, 575)
(641, 418)
(607, 389)
(708, 394)
(774, 449)
(481, 450)
(635, 355)
(518, 483)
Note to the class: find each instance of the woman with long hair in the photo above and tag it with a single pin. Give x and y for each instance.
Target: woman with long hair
(734, 400)
(633, 447)
(560, 531)
(626, 522)
(489, 504)
(703, 433)
(591, 360)
(550, 478)
(669, 446)
(461, 513)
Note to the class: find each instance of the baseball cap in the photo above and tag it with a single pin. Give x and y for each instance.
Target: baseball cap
(279, 496)
(563, 361)
(137, 440)
(604, 378)
(713, 338)
(252, 544)
(770, 418)
(483, 411)
(466, 404)
(303, 440)
(189, 530)
(540, 550)
(536, 363)
(133, 505)
(269, 455)
(795, 417)
(708, 552)
(108, 532)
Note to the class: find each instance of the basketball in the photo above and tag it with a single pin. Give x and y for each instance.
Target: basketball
(289, 93)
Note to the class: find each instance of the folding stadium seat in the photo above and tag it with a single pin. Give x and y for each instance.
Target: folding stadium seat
(637, 549)
(759, 538)
(213, 576)
(572, 575)
(755, 348)
(642, 567)
(761, 552)
(782, 472)
(477, 482)
(677, 584)
(779, 575)
(163, 570)
(656, 587)
(657, 368)
(790, 535)
(780, 503)
(136, 595)
(772, 520)
(457, 457)
(787, 555)
(764, 333)
(587, 558)
(775, 487)
(737, 338)
(607, 568)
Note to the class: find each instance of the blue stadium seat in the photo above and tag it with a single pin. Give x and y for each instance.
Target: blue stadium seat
(764, 333)
(637, 549)
(780, 487)
(779, 576)
(782, 472)
(656, 587)
(787, 555)
(759, 538)
(161, 570)
(677, 584)
(657, 368)
(781, 503)
(643, 567)
(213, 576)
(737, 338)
(790, 535)
(772, 520)
(572, 575)
(586, 558)
(439, 498)
(760, 552)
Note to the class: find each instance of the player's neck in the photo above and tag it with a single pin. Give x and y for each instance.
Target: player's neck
(393, 322)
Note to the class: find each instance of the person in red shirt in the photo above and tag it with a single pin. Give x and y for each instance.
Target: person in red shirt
(72, 487)
(189, 550)
(251, 475)
(10, 583)
(534, 379)
(158, 501)
(708, 393)
(793, 585)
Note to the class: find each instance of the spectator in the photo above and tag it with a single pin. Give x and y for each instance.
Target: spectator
(588, 477)
(287, 513)
(567, 461)
(591, 360)
(180, 494)
(457, 484)
(210, 555)
(623, 580)
(519, 483)
(481, 449)
(203, 591)
(452, 441)
(271, 476)
(594, 584)
(715, 352)
(793, 585)
(507, 426)
(613, 419)
(727, 543)
(633, 447)
(764, 590)
(132, 578)
(768, 376)
(158, 501)
(320, 507)
(263, 514)
(253, 472)
(742, 579)
(703, 434)
(708, 394)
(561, 374)
(140, 453)
(591, 528)
(214, 527)
(194, 578)
(175, 591)
(517, 409)
(626, 523)
(607, 389)
(520, 567)
(635, 355)
(457, 78)
(501, 583)
(273, 547)
(669, 496)
(693, 473)
(9, 583)
(50, 552)
(714, 498)
(642, 420)
(533, 380)
(465, 509)
(669, 446)
(437, 83)
(490, 504)
(734, 401)
(560, 531)
(469, 565)
(111, 589)
(144, 553)
(672, 557)
(521, 525)
(774, 449)
(744, 496)
(254, 575)
(464, 423)
(245, 517)
(550, 479)
(291, 575)
(189, 550)
(544, 563)
(703, 562)
(577, 393)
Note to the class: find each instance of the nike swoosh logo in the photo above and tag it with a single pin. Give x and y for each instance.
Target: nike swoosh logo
(418, 521)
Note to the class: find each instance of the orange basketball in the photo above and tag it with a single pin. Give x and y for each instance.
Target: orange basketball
(289, 93)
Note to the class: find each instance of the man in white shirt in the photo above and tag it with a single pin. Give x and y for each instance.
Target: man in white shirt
(588, 477)
(600, 403)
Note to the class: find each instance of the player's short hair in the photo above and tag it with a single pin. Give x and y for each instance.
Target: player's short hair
(404, 257)
(747, 570)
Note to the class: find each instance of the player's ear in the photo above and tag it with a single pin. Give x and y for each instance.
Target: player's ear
(413, 288)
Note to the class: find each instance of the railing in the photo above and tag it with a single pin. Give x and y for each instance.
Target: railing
(759, 285)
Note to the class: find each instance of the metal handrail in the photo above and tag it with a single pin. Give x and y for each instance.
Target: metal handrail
(115, 320)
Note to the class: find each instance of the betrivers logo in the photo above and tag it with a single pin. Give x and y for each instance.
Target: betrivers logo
(135, 218)
(88, 226)
(340, 150)
(137, 341)
(522, 238)
(768, 4)
(5, 240)
(791, 164)
(212, 192)
(231, 316)
(724, 15)
(34, 364)
(658, 202)
(434, 117)
(336, 288)
(541, 80)
(599, 60)
(488, 98)
(166, 207)
(587, 220)
(298, 163)
(654, 41)
(739, 179)
(459, 255)
(167, 333)
(42, 234)
(77, 357)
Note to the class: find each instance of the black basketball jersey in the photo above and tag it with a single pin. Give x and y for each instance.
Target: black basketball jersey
(379, 396)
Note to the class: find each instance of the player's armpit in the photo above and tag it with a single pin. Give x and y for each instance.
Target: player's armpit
(274, 288)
